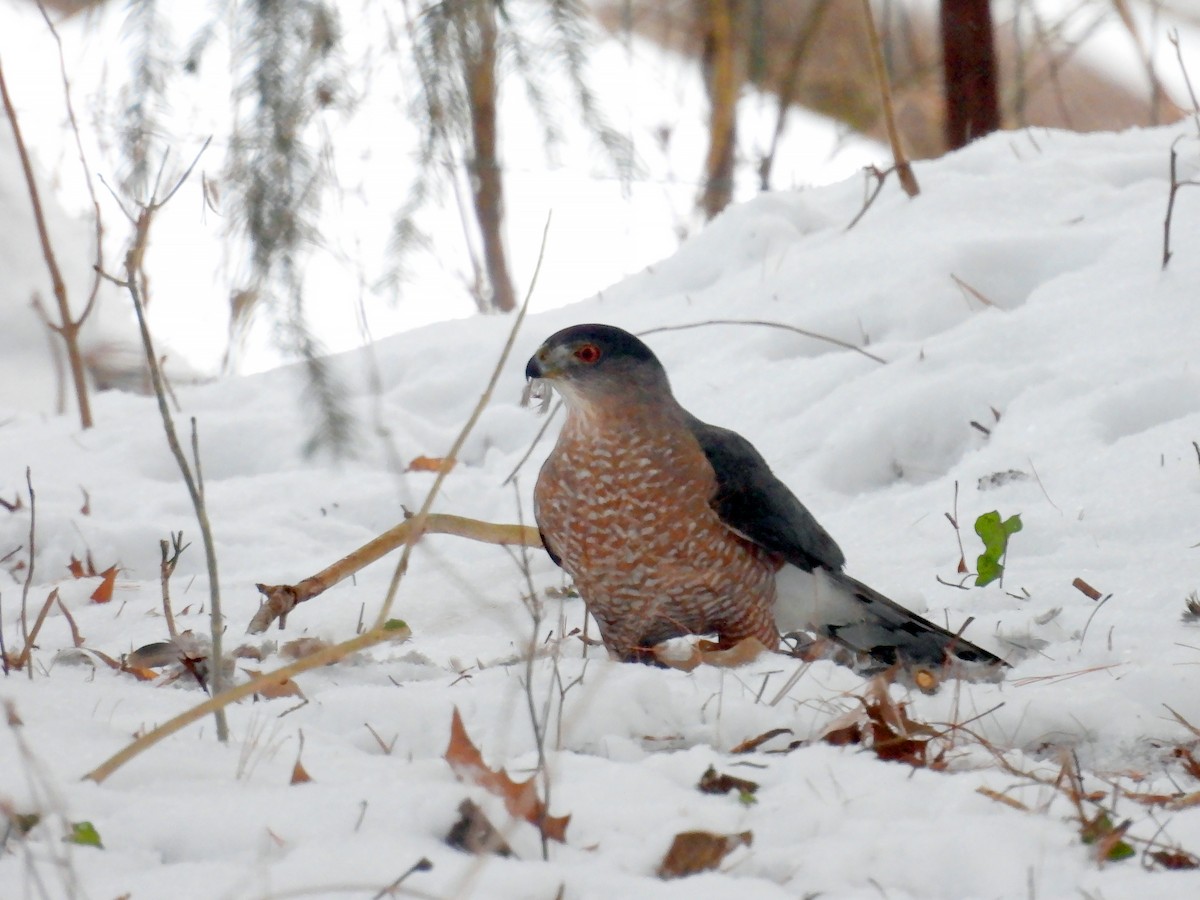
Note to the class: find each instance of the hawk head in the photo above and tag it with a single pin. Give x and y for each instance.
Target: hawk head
(588, 363)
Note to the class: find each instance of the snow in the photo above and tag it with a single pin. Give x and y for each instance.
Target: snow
(1087, 351)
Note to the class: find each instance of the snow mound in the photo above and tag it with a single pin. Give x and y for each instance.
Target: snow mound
(1027, 353)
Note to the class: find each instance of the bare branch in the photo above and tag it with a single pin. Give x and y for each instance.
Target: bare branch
(135, 280)
(29, 568)
(904, 171)
(83, 163)
(1176, 184)
(69, 327)
(281, 599)
(1173, 37)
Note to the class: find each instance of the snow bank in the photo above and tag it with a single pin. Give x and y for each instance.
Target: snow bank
(1071, 349)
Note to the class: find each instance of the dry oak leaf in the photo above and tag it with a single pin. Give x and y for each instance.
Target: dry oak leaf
(700, 851)
(278, 688)
(299, 773)
(885, 725)
(714, 782)
(78, 569)
(430, 464)
(1176, 860)
(520, 797)
(104, 590)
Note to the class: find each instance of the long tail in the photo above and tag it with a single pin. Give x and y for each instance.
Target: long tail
(876, 629)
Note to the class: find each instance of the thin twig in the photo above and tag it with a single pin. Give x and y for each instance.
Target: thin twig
(974, 292)
(539, 724)
(962, 554)
(68, 326)
(786, 92)
(134, 284)
(421, 865)
(170, 559)
(1176, 184)
(281, 599)
(1173, 37)
(25, 659)
(76, 637)
(532, 444)
(1088, 623)
(1145, 56)
(1038, 479)
(29, 568)
(83, 164)
(451, 457)
(904, 171)
(766, 324)
(880, 176)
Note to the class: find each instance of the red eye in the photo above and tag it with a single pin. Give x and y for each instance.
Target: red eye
(588, 354)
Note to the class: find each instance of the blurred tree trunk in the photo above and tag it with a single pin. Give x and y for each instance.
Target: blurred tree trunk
(723, 82)
(969, 71)
(487, 186)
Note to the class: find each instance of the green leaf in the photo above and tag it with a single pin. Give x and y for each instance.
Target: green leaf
(85, 834)
(394, 625)
(1120, 850)
(994, 532)
(989, 570)
(747, 798)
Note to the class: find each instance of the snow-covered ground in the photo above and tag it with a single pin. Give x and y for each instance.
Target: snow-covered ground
(1081, 365)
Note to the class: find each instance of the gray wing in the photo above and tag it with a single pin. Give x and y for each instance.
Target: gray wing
(878, 628)
(758, 506)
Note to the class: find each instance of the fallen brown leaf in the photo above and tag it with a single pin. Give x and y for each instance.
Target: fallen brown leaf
(520, 798)
(430, 464)
(300, 774)
(714, 782)
(846, 729)
(886, 726)
(278, 688)
(474, 832)
(1175, 859)
(104, 590)
(1190, 764)
(700, 851)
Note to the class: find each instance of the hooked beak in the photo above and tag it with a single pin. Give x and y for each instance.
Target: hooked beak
(533, 369)
(546, 363)
(537, 370)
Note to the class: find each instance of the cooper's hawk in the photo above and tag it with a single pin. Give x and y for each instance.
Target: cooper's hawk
(670, 526)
